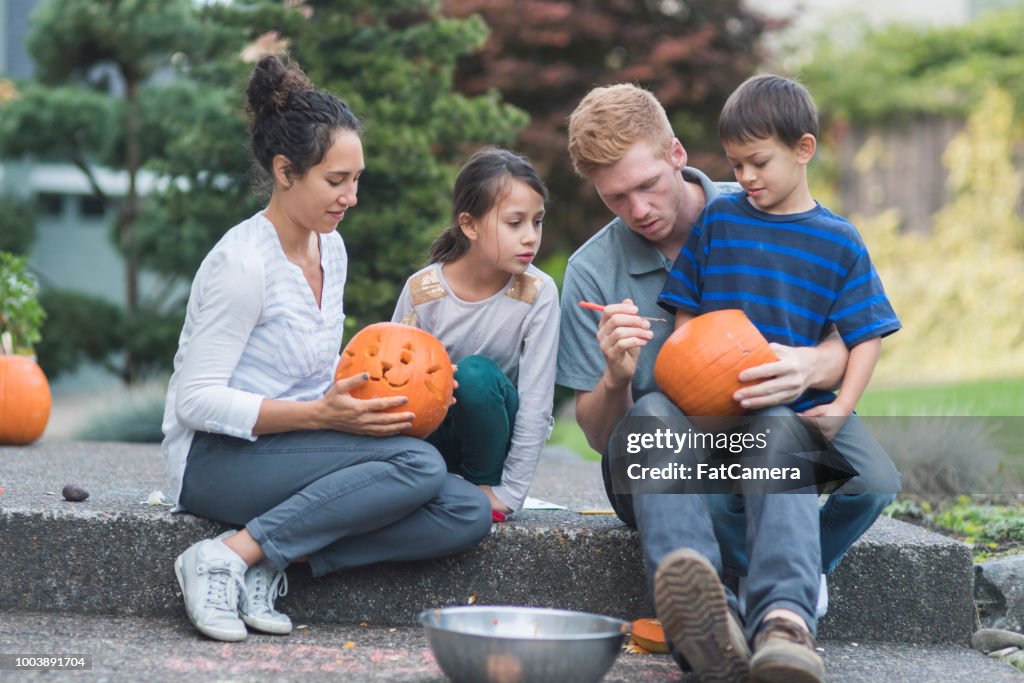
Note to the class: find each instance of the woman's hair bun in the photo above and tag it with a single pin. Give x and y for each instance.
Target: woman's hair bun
(271, 84)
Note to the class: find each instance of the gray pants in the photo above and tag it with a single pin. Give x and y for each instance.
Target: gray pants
(341, 500)
(781, 532)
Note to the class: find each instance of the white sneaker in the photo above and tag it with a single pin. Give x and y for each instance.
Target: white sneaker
(263, 585)
(211, 576)
(820, 610)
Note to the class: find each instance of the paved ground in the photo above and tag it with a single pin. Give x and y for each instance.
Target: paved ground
(168, 649)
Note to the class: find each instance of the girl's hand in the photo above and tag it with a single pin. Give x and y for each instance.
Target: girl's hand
(496, 504)
(828, 418)
(455, 384)
(341, 412)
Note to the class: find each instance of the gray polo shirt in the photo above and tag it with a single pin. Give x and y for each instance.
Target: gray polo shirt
(613, 265)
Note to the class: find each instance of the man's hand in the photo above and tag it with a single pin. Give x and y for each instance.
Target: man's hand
(621, 334)
(796, 370)
(783, 380)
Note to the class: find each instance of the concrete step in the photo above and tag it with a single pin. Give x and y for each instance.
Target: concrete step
(157, 649)
(113, 554)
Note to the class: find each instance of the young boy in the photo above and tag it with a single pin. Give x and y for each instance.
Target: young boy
(797, 270)
(793, 266)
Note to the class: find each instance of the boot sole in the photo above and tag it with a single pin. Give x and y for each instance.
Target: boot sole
(693, 610)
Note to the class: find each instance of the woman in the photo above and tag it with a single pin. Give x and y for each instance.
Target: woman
(257, 433)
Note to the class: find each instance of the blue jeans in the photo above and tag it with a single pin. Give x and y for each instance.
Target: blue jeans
(781, 530)
(844, 517)
(339, 499)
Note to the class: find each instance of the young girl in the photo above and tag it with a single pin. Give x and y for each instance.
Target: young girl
(497, 316)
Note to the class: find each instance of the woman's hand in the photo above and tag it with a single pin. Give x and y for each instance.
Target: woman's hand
(340, 411)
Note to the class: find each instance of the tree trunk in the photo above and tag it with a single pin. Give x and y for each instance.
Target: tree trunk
(127, 216)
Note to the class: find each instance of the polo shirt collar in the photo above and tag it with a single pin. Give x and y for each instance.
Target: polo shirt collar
(643, 257)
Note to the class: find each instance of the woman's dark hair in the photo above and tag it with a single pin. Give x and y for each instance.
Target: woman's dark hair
(477, 188)
(289, 116)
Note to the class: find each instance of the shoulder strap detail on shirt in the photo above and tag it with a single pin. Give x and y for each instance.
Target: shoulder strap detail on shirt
(524, 288)
(426, 287)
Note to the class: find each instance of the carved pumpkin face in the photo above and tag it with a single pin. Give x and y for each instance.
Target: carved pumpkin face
(698, 365)
(402, 361)
(24, 400)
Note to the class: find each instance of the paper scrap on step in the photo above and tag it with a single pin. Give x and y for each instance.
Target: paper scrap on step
(538, 504)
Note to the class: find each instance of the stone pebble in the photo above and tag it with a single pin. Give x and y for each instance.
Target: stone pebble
(74, 493)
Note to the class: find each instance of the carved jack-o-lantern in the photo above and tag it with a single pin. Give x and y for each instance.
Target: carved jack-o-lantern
(402, 361)
(698, 365)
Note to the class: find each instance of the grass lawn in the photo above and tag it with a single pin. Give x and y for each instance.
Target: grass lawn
(997, 397)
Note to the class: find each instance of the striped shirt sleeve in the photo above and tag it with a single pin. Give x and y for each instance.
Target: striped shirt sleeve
(861, 310)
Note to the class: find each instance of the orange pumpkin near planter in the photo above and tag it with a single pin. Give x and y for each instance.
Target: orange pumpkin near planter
(402, 361)
(24, 400)
(698, 365)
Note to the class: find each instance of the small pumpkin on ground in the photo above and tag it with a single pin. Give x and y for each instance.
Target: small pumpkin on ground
(402, 361)
(648, 634)
(698, 365)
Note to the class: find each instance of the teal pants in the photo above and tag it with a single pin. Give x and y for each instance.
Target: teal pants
(477, 431)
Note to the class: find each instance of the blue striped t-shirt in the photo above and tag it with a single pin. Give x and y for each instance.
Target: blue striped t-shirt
(794, 276)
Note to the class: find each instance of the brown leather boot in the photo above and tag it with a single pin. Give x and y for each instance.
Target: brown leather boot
(785, 653)
(694, 612)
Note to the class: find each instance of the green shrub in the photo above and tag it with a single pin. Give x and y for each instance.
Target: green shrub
(79, 328)
(21, 315)
(17, 224)
(132, 415)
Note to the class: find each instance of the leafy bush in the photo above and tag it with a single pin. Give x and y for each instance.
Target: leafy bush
(865, 75)
(17, 224)
(79, 328)
(134, 414)
(21, 316)
(958, 290)
(945, 456)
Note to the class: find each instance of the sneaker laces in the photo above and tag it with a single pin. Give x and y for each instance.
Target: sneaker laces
(221, 580)
(264, 595)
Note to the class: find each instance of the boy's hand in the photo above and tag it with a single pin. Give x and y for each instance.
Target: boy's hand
(827, 418)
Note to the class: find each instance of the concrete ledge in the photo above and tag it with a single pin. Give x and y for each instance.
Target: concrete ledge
(113, 554)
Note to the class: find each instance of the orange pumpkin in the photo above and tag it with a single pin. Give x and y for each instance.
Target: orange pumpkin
(402, 361)
(698, 365)
(24, 400)
(649, 634)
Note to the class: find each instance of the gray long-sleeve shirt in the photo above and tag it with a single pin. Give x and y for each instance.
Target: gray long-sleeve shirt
(517, 328)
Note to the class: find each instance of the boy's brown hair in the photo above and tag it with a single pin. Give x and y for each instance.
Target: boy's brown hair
(768, 106)
(610, 120)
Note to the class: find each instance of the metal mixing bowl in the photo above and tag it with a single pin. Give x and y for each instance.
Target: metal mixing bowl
(522, 644)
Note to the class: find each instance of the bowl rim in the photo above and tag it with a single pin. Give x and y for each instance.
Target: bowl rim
(617, 627)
